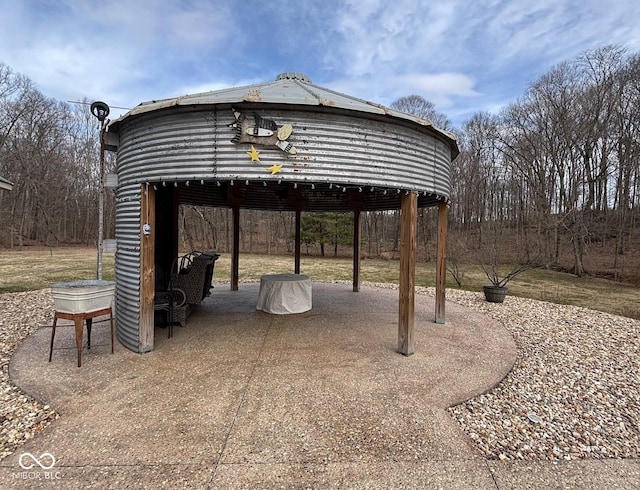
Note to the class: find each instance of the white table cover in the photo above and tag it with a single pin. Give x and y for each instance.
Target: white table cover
(284, 293)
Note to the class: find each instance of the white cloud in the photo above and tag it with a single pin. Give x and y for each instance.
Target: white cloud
(439, 87)
(390, 37)
(114, 50)
(463, 56)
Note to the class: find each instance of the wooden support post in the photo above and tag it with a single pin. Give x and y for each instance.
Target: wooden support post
(356, 250)
(298, 240)
(441, 262)
(147, 267)
(235, 250)
(408, 227)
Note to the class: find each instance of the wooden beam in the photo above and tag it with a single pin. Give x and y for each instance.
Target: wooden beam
(298, 240)
(356, 250)
(356, 202)
(147, 267)
(236, 197)
(441, 262)
(235, 249)
(408, 228)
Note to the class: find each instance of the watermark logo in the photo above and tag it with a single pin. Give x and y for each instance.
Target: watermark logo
(46, 461)
(42, 462)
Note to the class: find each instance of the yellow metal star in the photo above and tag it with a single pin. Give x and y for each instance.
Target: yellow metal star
(254, 154)
(275, 169)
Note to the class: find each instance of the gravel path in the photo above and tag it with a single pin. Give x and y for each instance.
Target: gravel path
(573, 393)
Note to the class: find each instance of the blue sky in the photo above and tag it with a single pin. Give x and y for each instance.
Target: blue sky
(463, 55)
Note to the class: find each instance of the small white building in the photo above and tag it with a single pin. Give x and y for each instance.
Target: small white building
(5, 184)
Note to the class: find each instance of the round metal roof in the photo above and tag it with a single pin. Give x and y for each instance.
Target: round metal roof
(289, 88)
(293, 75)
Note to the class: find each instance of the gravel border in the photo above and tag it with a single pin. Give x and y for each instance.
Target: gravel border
(573, 393)
(21, 416)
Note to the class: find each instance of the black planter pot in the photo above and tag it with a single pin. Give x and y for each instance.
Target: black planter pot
(495, 294)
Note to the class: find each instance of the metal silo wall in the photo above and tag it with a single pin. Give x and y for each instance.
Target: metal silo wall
(127, 265)
(332, 148)
(442, 168)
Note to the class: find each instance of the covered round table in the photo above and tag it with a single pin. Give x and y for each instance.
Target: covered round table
(284, 293)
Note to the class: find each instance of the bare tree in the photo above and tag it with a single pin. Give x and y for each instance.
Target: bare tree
(419, 106)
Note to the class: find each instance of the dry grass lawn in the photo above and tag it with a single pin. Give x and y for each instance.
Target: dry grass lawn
(38, 268)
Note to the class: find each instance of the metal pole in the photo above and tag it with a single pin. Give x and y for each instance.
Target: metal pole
(101, 110)
(101, 203)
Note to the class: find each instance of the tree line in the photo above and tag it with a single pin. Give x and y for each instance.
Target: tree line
(557, 169)
(561, 162)
(49, 150)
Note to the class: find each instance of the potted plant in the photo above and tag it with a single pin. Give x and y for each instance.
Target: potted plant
(496, 292)
(495, 235)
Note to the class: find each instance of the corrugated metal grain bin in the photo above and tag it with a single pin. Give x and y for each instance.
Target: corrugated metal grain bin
(283, 145)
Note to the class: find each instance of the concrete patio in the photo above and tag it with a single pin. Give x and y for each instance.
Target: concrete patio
(243, 399)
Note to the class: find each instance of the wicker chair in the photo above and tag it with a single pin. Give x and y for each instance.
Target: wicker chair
(192, 273)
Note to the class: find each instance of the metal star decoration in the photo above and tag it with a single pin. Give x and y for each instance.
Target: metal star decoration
(254, 154)
(275, 169)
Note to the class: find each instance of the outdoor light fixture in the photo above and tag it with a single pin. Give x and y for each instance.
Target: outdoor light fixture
(100, 110)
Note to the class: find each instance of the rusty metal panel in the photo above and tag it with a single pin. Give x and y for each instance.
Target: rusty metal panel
(127, 264)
